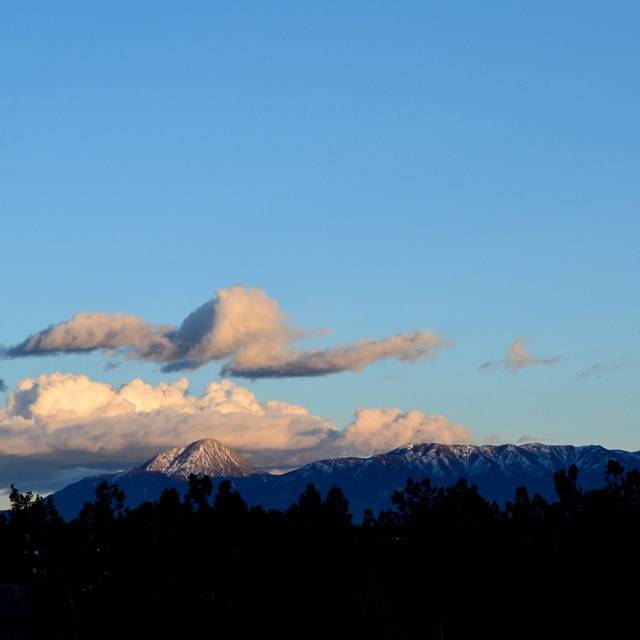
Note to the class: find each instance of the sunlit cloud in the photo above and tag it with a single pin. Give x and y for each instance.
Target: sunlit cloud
(79, 421)
(518, 358)
(241, 326)
(61, 412)
(379, 430)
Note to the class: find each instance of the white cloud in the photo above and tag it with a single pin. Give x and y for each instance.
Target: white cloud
(64, 411)
(73, 420)
(379, 430)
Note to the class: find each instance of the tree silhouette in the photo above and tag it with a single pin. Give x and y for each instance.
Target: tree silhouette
(441, 562)
(200, 488)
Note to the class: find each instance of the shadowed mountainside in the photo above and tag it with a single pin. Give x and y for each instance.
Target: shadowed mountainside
(367, 483)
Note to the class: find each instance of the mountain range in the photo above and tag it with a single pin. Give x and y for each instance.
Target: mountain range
(367, 483)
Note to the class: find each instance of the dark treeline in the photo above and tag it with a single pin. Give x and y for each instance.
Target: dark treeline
(441, 563)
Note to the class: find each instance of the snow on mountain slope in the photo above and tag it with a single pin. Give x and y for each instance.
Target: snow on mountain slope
(367, 483)
(203, 457)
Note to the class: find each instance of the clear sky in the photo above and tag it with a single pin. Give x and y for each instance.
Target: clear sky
(311, 229)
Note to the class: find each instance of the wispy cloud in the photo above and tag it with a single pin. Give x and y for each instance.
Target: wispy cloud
(598, 370)
(496, 439)
(518, 357)
(77, 421)
(619, 355)
(3, 386)
(240, 325)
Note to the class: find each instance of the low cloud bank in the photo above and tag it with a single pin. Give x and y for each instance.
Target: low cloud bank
(67, 421)
(241, 326)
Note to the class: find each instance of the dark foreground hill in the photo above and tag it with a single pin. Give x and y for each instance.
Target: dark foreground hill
(367, 483)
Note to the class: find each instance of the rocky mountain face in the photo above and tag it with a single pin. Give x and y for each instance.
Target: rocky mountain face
(207, 456)
(366, 482)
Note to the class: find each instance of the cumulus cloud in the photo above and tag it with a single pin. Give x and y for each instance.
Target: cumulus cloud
(62, 412)
(379, 430)
(518, 358)
(241, 325)
(70, 421)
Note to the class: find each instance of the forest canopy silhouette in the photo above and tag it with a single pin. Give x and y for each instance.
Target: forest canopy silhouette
(442, 562)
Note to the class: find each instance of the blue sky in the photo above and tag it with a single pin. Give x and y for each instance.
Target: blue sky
(372, 169)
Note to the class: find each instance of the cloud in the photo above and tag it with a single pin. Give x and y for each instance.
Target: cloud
(63, 412)
(599, 369)
(3, 386)
(615, 357)
(381, 430)
(241, 325)
(64, 421)
(518, 358)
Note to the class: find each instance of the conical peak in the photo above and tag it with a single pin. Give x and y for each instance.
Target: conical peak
(202, 457)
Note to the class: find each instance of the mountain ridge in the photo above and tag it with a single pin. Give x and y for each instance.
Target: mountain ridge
(367, 483)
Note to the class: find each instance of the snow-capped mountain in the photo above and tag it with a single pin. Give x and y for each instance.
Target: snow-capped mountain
(203, 457)
(366, 482)
(497, 470)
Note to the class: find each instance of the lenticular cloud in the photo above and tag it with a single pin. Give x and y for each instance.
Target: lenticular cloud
(241, 326)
